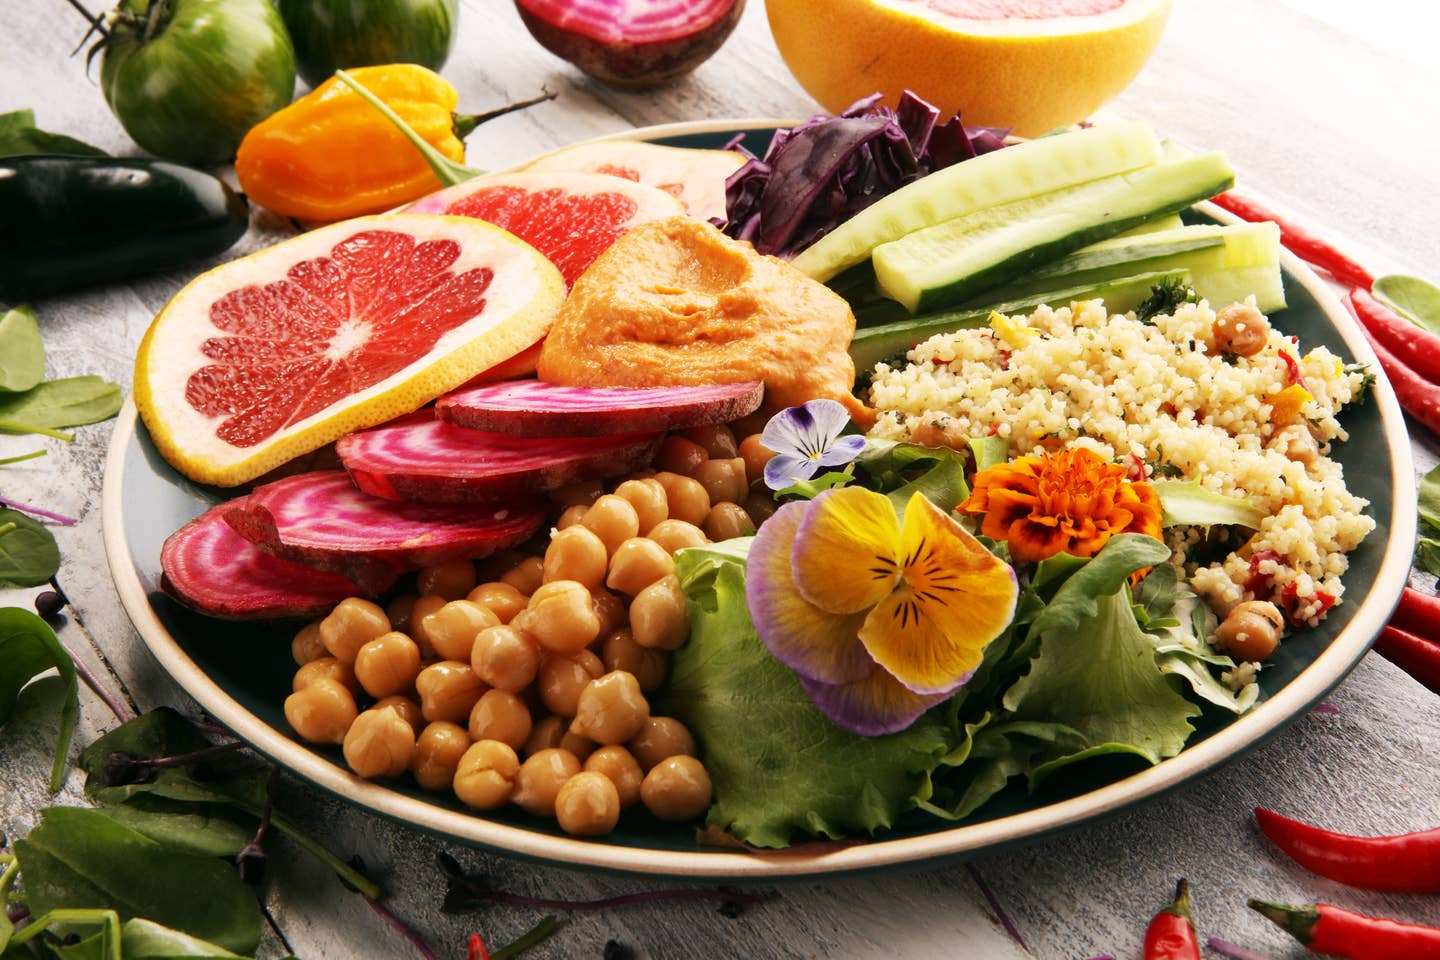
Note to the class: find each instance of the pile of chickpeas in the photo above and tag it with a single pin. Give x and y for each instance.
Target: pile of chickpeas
(522, 678)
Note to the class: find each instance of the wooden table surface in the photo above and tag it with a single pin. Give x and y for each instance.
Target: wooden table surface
(1327, 109)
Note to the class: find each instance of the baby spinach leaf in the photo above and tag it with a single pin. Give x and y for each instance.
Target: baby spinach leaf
(212, 830)
(55, 404)
(19, 136)
(22, 356)
(147, 940)
(28, 648)
(9, 870)
(80, 858)
(29, 555)
(1415, 299)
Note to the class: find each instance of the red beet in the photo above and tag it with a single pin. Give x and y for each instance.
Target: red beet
(629, 44)
(529, 408)
(420, 458)
(321, 520)
(211, 568)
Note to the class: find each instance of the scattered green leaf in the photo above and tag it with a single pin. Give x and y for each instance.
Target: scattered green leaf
(29, 555)
(19, 137)
(56, 404)
(1427, 546)
(22, 356)
(214, 830)
(1164, 298)
(29, 648)
(1414, 299)
(21, 458)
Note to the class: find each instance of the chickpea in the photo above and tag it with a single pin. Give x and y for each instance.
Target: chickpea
(659, 738)
(388, 664)
(610, 610)
(526, 576)
(676, 535)
(540, 778)
(580, 746)
(352, 624)
(717, 439)
(307, 644)
(500, 715)
(580, 494)
(576, 553)
(620, 766)
(756, 455)
(448, 690)
(611, 709)
(437, 754)
(450, 580)
(657, 616)
(505, 658)
(547, 734)
(648, 499)
(648, 664)
(408, 709)
(399, 609)
(613, 519)
(570, 516)
(562, 679)
(677, 788)
(637, 563)
(379, 744)
(321, 712)
(327, 668)
(1297, 443)
(760, 505)
(485, 776)
(561, 617)
(688, 499)
(423, 608)
(587, 805)
(679, 455)
(503, 599)
(1240, 329)
(1250, 631)
(452, 629)
(723, 480)
(727, 521)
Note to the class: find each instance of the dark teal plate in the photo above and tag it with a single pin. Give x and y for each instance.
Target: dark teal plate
(241, 673)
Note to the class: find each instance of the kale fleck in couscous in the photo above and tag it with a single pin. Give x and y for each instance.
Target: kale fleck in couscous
(1172, 397)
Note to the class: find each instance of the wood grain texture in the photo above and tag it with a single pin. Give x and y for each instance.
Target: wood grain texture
(1315, 112)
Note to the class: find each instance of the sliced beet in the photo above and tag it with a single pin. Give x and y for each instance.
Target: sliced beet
(321, 520)
(420, 458)
(530, 408)
(211, 568)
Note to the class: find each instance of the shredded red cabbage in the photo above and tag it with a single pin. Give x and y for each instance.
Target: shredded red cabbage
(821, 173)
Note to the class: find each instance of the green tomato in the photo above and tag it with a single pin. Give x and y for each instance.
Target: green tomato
(188, 78)
(339, 34)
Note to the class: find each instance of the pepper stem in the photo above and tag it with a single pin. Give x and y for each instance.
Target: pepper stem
(447, 171)
(1299, 922)
(1181, 906)
(465, 123)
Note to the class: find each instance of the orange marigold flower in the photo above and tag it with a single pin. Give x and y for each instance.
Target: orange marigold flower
(1068, 502)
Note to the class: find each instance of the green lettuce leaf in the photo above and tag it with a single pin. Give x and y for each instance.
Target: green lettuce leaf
(985, 760)
(901, 469)
(779, 767)
(1186, 502)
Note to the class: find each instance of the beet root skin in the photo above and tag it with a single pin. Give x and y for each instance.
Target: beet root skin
(633, 65)
(531, 408)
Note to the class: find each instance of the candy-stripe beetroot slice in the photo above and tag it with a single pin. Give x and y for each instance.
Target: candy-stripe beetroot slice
(321, 520)
(530, 408)
(211, 568)
(420, 458)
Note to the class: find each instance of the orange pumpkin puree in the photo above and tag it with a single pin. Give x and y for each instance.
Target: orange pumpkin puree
(677, 303)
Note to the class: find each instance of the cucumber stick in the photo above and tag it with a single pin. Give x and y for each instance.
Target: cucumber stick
(1225, 263)
(1002, 176)
(872, 345)
(948, 263)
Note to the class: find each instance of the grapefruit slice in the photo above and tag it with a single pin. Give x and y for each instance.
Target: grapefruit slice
(279, 353)
(572, 218)
(1031, 65)
(697, 177)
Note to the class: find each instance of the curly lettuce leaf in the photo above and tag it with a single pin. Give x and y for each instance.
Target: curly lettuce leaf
(1178, 622)
(779, 767)
(987, 757)
(1186, 502)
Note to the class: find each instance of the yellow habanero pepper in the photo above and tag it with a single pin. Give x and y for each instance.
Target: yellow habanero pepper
(331, 155)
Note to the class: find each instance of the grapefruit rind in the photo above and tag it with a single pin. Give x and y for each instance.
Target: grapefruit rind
(697, 177)
(520, 304)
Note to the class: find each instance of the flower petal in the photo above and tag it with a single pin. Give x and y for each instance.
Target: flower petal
(784, 470)
(871, 706)
(955, 598)
(806, 430)
(842, 451)
(808, 640)
(847, 550)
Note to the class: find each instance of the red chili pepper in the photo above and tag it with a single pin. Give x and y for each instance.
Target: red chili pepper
(1418, 612)
(1171, 934)
(1342, 933)
(1321, 601)
(1416, 347)
(477, 949)
(1257, 582)
(1292, 369)
(1419, 397)
(1299, 241)
(1407, 863)
(1415, 655)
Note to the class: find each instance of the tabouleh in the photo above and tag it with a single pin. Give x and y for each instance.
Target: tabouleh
(1170, 397)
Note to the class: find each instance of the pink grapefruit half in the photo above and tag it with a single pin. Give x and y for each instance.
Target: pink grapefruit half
(697, 177)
